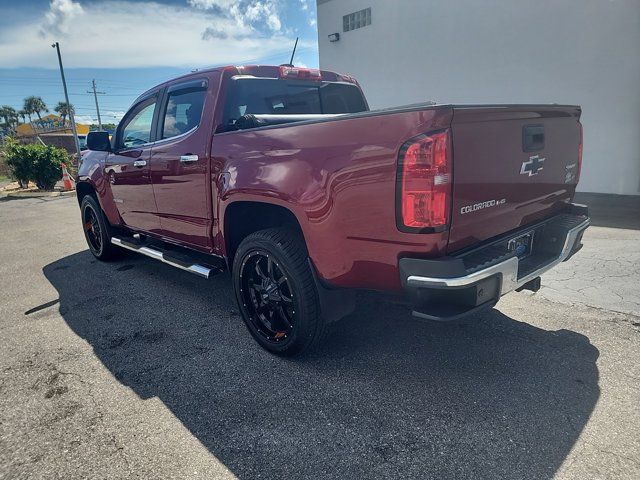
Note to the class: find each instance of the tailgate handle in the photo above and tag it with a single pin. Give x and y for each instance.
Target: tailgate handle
(532, 138)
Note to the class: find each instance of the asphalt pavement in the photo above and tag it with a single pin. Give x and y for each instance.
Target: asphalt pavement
(134, 369)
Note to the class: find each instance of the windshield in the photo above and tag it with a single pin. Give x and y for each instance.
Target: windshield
(282, 97)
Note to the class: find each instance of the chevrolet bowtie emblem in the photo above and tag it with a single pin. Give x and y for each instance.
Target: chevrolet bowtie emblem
(532, 166)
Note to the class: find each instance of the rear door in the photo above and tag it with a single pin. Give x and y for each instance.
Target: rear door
(127, 167)
(512, 165)
(180, 161)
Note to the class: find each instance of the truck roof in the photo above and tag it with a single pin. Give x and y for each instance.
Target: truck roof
(261, 71)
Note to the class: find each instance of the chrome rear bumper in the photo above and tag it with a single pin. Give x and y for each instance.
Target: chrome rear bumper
(457, 285)
(507, 269)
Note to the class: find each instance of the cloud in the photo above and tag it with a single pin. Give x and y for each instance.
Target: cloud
(111, 34)
(106, 117)
(210, 33)
(59, 17)
(84, 119)
(266, 11)
(222, 5)
(256, 14)
(110, 115)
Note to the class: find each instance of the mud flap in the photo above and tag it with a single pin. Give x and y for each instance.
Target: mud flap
(335, 303)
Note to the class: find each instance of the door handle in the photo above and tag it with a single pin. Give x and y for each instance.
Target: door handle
(139, 163)
(188, 158)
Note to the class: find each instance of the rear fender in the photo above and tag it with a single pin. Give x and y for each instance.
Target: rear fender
(222, 237)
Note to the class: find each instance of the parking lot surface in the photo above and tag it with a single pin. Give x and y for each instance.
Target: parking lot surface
(133, 369)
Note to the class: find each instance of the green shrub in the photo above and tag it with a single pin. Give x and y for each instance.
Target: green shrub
(18, 161)
(48, 166)
(5, 171)
(39, 163)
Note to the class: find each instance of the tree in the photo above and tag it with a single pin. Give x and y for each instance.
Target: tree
(9, 115)
(35, 105)
(64, 110)
(22, 114)
(15, 121)
(108, 127)
(27, 112)
(4, 112)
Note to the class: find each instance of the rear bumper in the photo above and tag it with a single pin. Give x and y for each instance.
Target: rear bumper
(459, 285)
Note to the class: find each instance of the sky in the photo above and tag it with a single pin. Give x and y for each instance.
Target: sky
(128, 46)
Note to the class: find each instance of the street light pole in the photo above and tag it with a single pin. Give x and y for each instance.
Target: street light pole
(66, 98)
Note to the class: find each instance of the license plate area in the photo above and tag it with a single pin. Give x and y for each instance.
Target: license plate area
(521, 245)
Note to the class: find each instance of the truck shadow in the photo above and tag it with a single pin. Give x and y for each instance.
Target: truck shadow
(387, 396)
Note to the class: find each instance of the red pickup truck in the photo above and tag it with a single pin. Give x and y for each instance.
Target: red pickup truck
(284, 177)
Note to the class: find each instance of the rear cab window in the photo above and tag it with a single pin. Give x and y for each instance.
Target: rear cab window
(252, 95)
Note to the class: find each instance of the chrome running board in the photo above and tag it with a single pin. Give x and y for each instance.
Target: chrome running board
(194, 268)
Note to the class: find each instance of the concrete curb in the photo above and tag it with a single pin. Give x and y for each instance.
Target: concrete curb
(37, 194)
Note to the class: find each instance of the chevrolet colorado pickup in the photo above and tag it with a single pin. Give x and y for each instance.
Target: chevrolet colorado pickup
(285, 178)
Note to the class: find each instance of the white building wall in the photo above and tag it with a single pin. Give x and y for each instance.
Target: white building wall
(584, 52)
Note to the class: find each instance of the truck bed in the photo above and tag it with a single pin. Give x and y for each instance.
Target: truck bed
(339, 174)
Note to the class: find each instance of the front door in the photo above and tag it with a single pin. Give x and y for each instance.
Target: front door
(128, 168)
(180, 163)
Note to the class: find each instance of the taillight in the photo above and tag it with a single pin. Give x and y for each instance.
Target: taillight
(579, 155)
(300, 73)
(424, 183)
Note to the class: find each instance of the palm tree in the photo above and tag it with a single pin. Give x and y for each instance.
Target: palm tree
(35, 105)
(27, 112)
(64, 110)
(4, 112)
(22, 114)
(15, 120)
(9, 115)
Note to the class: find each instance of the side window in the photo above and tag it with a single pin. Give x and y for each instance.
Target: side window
(137, 127)
(183, 108)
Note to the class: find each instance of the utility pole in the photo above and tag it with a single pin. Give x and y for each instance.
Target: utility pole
(66, 98)
(95, 96)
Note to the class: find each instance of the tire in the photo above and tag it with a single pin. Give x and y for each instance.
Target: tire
(97, 231)
(276, 292)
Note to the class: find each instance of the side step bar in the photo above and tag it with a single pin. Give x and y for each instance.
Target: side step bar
(194, 268)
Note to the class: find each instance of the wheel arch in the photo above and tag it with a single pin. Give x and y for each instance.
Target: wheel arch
(85, 188)
(97, 189)
(244, 217)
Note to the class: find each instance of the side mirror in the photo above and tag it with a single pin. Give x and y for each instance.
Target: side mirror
(99, 141)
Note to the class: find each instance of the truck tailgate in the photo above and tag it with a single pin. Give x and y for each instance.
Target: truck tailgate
(512, 165)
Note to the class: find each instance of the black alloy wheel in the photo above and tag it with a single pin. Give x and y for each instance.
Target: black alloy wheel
(97, 230)
(267, 295)
(276, 292)
(92, 229)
